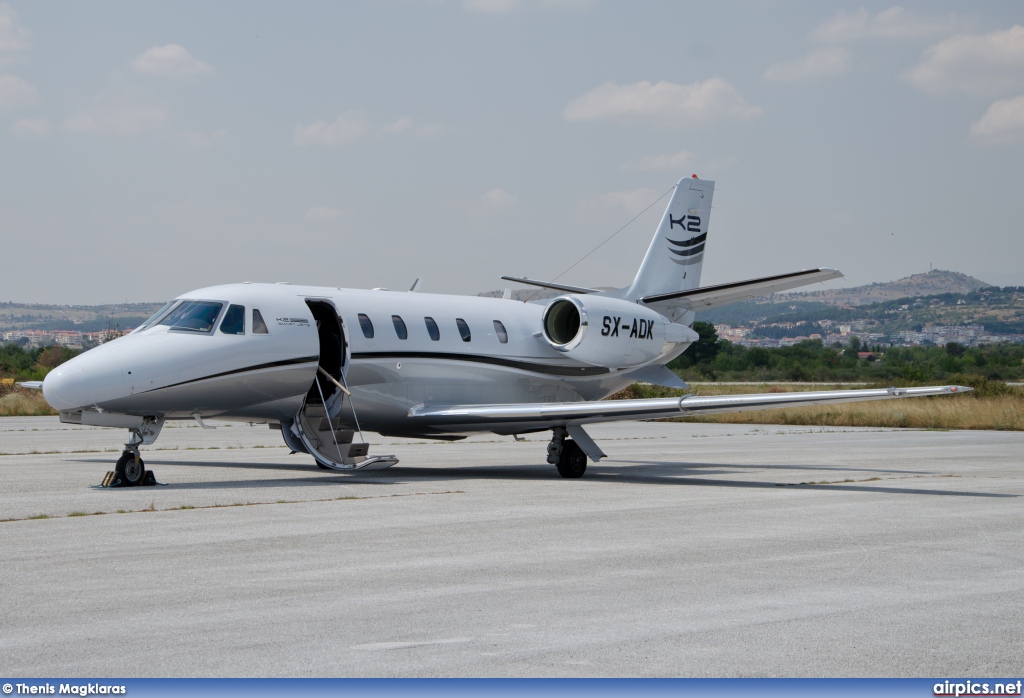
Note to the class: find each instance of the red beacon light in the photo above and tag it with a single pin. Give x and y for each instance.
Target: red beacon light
(694, 176)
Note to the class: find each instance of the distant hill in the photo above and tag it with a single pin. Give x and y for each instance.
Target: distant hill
(931, 283)
(84, 318)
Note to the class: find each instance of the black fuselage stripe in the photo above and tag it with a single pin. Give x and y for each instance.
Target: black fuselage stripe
(260, 367)
(492, 360)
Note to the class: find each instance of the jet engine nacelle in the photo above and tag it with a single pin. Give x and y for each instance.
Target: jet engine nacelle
(609, 332)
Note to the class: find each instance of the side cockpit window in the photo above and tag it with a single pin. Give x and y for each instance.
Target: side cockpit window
(499, 329)
(157, 316)
(234, 320)
(463, 329)
(258, 326)
(193, 316)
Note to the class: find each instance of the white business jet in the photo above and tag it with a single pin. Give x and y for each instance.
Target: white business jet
(322, 364)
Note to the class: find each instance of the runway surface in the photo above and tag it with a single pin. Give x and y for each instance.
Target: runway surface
(693, 550)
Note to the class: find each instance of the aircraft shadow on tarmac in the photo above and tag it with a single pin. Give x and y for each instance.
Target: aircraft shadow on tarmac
(609, 471)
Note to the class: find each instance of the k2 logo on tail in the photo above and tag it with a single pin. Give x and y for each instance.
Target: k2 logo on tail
(686, 252)
(690, 224)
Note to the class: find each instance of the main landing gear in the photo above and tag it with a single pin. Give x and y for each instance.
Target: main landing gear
(566, 455)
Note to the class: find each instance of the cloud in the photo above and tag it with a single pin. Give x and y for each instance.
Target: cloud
(682, 160)
(170, 61)
(662, 103)
(505, 7)
(816, 64)
(324, 214)
(14, 38)
(202, 141)
(492, 7)
(31, 127)
(122, 114)
(15, 92)
(1002, 123)
(981, 64)
(352, 126)
(498, 200)
(893, 23)
(616, 206)
(406, 124)
(345, 130)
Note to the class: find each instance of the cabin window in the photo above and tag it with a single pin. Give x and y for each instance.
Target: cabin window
(432, 329)
(400, 328)
(499, 330)
(258, 326)
(193, 316)
(366, 325)
(234, 320)
(463, 329)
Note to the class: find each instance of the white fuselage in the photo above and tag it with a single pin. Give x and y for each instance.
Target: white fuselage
(168, 373)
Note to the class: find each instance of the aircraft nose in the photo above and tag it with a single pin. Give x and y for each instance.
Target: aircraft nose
(85, 380)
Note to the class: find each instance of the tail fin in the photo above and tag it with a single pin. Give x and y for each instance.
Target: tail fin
(676, 254)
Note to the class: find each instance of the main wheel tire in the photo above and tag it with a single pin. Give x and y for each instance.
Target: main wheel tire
(130, 471)
(573, 461)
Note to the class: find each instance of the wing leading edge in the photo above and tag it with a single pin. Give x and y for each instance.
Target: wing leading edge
(510, 419)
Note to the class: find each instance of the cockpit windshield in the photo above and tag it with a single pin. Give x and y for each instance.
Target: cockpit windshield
(158, 315)
(193, 316)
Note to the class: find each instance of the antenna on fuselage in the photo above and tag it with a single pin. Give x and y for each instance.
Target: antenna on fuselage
(415, 285)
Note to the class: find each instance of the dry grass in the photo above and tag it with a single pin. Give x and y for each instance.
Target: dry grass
(17, 402)
(965, 411)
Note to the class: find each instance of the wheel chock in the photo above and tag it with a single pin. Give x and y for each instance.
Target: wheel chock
(112, 480)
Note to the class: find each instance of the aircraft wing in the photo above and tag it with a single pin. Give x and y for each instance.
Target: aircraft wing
(520, 418)
(34, 385)
(723, 294)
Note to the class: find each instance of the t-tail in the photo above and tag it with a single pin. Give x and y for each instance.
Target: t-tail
(676, 255)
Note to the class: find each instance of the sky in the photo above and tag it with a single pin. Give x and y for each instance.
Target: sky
(147, 149)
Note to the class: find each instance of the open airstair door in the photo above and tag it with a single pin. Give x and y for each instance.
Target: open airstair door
(320, 423)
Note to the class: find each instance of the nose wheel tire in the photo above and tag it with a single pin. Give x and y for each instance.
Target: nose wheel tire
(573, 461)
(129, 470)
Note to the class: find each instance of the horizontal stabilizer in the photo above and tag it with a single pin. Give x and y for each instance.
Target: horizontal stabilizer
(548, 284)
(723, 294)
(33, 385)
(517, 418)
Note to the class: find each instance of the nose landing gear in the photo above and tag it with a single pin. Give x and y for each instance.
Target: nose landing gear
(130, 470)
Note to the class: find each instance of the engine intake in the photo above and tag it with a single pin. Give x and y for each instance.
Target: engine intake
(565, 323)
(604, 331)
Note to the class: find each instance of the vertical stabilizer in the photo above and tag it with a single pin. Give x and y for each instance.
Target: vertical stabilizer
(674, 259)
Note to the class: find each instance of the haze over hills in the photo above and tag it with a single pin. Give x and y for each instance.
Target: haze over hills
(930, 283)
(33, 316)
